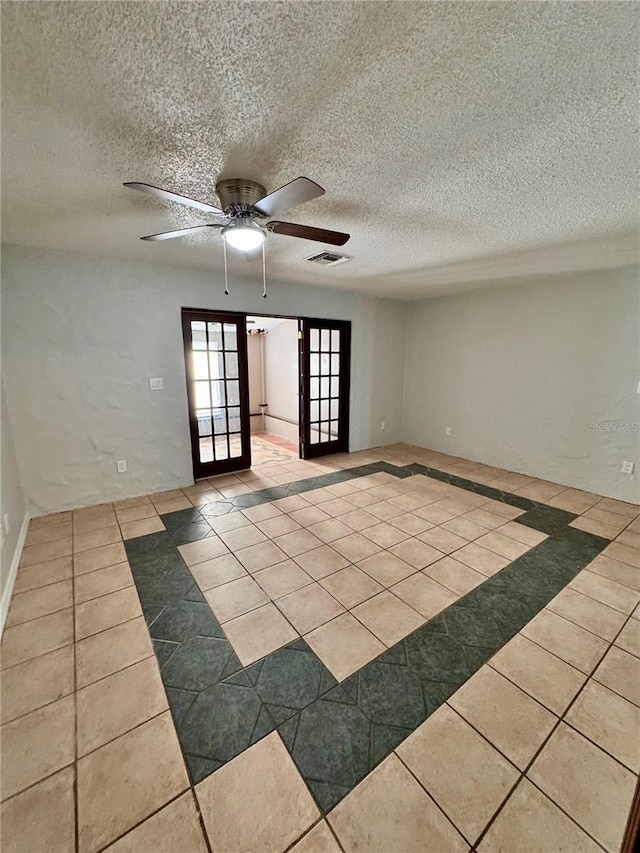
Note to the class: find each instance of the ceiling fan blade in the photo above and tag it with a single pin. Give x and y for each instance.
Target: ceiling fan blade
(307, 232)
(181, 232)
(295, 192)
(168, 196)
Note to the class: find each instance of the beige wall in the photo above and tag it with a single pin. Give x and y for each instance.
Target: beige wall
(539, 377)
(281, 363)
(12, 506)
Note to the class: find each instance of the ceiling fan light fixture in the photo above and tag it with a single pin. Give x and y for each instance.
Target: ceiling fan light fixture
(243, 234)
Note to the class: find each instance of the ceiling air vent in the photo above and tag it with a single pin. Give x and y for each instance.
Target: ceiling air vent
(329, 259)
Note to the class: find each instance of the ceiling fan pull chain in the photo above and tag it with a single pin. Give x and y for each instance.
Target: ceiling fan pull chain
(264, 273)
(226, 277)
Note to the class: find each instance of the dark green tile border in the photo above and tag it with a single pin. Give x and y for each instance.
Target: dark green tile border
(335, 733)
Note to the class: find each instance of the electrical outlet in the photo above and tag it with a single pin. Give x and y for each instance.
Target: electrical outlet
(447, 430)
(156, 383)
(5, 523)
(383, 425)
(627, 467)
(121, 466)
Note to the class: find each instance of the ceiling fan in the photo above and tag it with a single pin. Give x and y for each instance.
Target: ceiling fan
(245, 205)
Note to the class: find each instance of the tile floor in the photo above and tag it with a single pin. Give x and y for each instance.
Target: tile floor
(391, 650)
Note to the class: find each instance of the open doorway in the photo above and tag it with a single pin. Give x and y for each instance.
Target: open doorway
(274, 389)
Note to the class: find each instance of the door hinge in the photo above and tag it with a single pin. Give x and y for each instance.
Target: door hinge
(299, 335)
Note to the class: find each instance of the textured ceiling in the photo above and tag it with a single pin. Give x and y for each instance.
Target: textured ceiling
(458, 142)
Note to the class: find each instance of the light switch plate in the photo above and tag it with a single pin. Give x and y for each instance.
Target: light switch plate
(156, 383)
(627, 467)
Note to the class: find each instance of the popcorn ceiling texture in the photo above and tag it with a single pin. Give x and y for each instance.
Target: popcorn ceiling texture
(457, 141)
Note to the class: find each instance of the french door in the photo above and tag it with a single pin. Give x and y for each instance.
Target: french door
(325, 369)
(215, 346)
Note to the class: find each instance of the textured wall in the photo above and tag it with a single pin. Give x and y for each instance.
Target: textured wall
(82, 335)
(281, 357)
(521, 373)
(12, 501)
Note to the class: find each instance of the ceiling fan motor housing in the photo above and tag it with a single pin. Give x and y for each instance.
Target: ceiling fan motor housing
(237, 195)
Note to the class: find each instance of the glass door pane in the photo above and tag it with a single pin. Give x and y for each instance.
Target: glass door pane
(217, 390)
(325, 351)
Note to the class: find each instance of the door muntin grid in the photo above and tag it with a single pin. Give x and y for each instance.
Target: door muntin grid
(215, 372)
(325, 375)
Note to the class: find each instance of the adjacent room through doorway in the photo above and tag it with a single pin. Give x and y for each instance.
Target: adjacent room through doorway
(274, 389)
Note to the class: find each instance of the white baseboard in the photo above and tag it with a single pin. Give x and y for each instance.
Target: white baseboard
(13, 571)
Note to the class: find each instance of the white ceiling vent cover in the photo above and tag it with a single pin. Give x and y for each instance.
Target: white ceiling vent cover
(329, 259)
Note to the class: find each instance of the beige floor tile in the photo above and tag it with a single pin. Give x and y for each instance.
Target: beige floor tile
(172, 505)
(259, 632)
(243, 537)
(96, 538)
(35, 603)
(416, 553)
(344, 645)
(279, 526)
(174, 828)
(522, 533)
(136, 513)
(607, 591)
(117, 704)
(540, 490)
(30, 685)
(292, 503)
(511, 720)
(587, 612)
(385, 535)
(41, 819)
(102, 582)
(531, 823)
(282, 579)
(321, 562)
(424, 594)
(629, 638)
(329, 531)
(385, 510)
(441, 539)
(539, 673)
(411, 524)
(298, 542)
(262, 782)
(142, 770)
(336, 506)
(260, 556)
(235, 598)
(386, 568)
(573, 644)
(99, 558)
(598, 528)
(502, 545)
(435, 513)
(610, 721)
(259, 513)
(616, 571)
(142, 527)
(351, 586)
(105, 612)
(489, 520)
(219, 570)
(464, 528)
(31, 639)
(454, 575)
(309, 607)
(389, 811)
(111, 650)
(320, 839)
(48, 533)
(141, 500)
(623, 553)
(593, 788)
(388, 617)
(234, 520)
(34, 554)
(308, 516)
(619, 507)
(481, 559)
(46, 520)
(41, 574)
(93, 518)
(573, 500)
(361, 499)
(203, 549)
(466, 776)
(37, 745)
(620, 672)
(629, 538)
(359, 519)
(355, 547)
